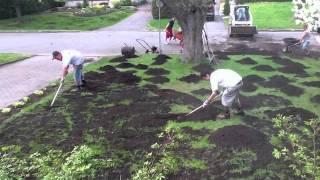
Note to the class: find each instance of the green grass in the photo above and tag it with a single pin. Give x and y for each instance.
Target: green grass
(11, 57)
(154, 24)
(273, 15)
(65, 21)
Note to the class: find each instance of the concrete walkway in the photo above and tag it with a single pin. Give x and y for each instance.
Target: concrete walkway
(24, 77)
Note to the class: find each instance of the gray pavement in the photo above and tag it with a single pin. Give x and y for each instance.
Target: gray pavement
(24, 77)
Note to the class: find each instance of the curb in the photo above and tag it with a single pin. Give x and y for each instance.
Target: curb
(38, 31)
(280, 30)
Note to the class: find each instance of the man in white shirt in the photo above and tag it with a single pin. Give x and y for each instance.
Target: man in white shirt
(74, 58)
(227, 83)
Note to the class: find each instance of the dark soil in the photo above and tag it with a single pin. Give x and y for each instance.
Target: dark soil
(315, 99)
(263, 68)
(298, 113)
(161, 59)
(157, 71)
(289, 66)
(249, 87)
(141, 66)
(247, 60)
(240, 136)
(313, 84)
(202, 92)
(276, 81)
(252, 79)
(119, 59)
(158, 79)
(125, 65)
(263, 100)
(203, 68)
(291, 90)
(248, 83)
(192, 78)
(282, 83)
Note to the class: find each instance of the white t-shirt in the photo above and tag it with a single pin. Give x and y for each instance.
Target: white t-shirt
(72, 57)
(224, 78)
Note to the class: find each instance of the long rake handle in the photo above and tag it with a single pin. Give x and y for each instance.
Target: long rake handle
(55, 96)
(213, 100)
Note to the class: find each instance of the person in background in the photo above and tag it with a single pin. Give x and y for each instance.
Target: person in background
(169, 30)
(305, 39)
(74, 58)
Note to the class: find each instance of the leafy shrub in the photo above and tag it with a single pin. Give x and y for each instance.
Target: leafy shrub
(226, 8)
(125, 2)
(164, 11)
(299, 146)
(81, 162)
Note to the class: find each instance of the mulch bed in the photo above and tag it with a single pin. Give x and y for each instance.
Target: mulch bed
(262, 100)
(202, 92)
(157, 71)
(240, 136)
(253, 79)
(247, 61)
(203, 68)
(161, 59)
(158, 80)
(248, 87)
(298, 113)
(315, 99)
(141, 66)
(313, 84)
(289, 66)
(263, 68)
(192, 78)
(125, 65)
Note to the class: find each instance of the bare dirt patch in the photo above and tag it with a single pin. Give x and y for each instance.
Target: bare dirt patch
(161, 59)
(263, 68)
(203, 68)
(157, 71)
(192, 78)
(247, 61)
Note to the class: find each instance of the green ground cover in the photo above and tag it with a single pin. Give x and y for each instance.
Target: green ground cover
(11, 57)
(65, 21)
(133, 130)
(273, 15)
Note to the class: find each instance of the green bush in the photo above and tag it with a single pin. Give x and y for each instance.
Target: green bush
(164, 11)
(226, 8)
(115, 4)
(125, 2)
(81, 163)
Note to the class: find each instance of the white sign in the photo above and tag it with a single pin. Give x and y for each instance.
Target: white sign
(159, 3)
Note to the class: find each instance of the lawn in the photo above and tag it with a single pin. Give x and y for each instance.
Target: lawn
(154, 24)
(273, 15)
(129, 122)
(65, 21)
(11, 57)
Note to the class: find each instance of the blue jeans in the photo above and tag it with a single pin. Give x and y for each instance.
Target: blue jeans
(78, 75)
(305, 45)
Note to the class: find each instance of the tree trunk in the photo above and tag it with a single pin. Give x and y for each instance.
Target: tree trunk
(18, 13)
(191, 17)
(192, 32)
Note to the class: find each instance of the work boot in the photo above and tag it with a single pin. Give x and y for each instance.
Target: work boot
(240, 112)
(79, 88)
(84, 83)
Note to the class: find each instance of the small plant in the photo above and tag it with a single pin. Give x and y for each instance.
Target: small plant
(39, 92)
(18, 104)
(26, 99)
(161, 162)
(5, 110)
(299, 146)
(242, 161)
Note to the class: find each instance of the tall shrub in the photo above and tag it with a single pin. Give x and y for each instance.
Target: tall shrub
(226, 8)
(164, 11)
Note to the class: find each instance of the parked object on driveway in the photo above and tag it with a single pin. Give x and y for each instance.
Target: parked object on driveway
(128, 51)
(241, 21)
(147, 47)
